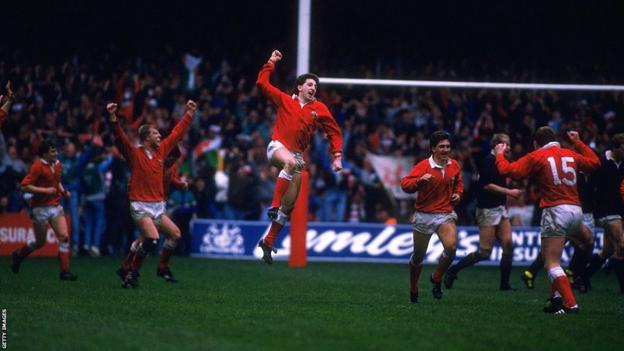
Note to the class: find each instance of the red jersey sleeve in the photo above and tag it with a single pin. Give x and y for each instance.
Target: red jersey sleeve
(265, 85)
(409, 183)
(516, 170)
(176, 134)
(3, 115)
(122, 141)
(587, 161)
(458, 187)
(331, 128)
(33, 175)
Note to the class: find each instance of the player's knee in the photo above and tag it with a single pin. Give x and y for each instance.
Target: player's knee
(149, 245)
(170, 244)
(290, 166)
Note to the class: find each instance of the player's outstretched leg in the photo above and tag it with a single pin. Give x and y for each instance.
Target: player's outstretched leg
(452, 273)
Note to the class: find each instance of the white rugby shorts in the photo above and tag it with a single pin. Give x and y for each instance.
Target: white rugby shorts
(489, 217)
(151, 209)
(43, 214)
(561, 220)
(428, 223)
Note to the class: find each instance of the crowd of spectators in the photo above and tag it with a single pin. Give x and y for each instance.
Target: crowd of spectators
(224, 154)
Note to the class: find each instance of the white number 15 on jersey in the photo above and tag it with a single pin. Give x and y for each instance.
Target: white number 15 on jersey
(568, 172)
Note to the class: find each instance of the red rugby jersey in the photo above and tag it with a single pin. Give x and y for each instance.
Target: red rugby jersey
(295, 125)
(44, 175)
(147, 170)
(554, 169)
(3, 115)
(434, 196)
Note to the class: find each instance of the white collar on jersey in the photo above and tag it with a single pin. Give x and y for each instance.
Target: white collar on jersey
(294, 97)
(147, 152)
(46, 162)
(551, 144)
(434, 164)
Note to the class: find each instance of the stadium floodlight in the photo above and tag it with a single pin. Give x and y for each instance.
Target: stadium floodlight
(479, 85)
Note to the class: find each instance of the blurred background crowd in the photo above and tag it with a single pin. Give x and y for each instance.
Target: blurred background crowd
(224, 154)
(148, 58)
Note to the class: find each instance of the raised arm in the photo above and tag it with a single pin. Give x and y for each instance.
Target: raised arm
(178, 131)
(587, 161)
(121, 139)
(263, 82)
(516, 170)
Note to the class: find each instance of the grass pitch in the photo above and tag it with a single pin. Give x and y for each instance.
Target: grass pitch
(247, 305)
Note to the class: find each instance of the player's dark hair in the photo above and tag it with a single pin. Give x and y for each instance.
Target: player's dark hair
(544, 135)
(302, 79)
(617, 140)
(45, 146)
(437, 136)
(144, 131)
(498, 138)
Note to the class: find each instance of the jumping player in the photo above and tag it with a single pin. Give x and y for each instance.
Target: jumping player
(145, 187)
(297, 118)
(171, 179)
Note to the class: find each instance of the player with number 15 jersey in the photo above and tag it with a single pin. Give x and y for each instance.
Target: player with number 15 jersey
(555, 171)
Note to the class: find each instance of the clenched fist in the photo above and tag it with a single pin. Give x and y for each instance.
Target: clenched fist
(275, 56)
(191, 106)
(112, 108)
